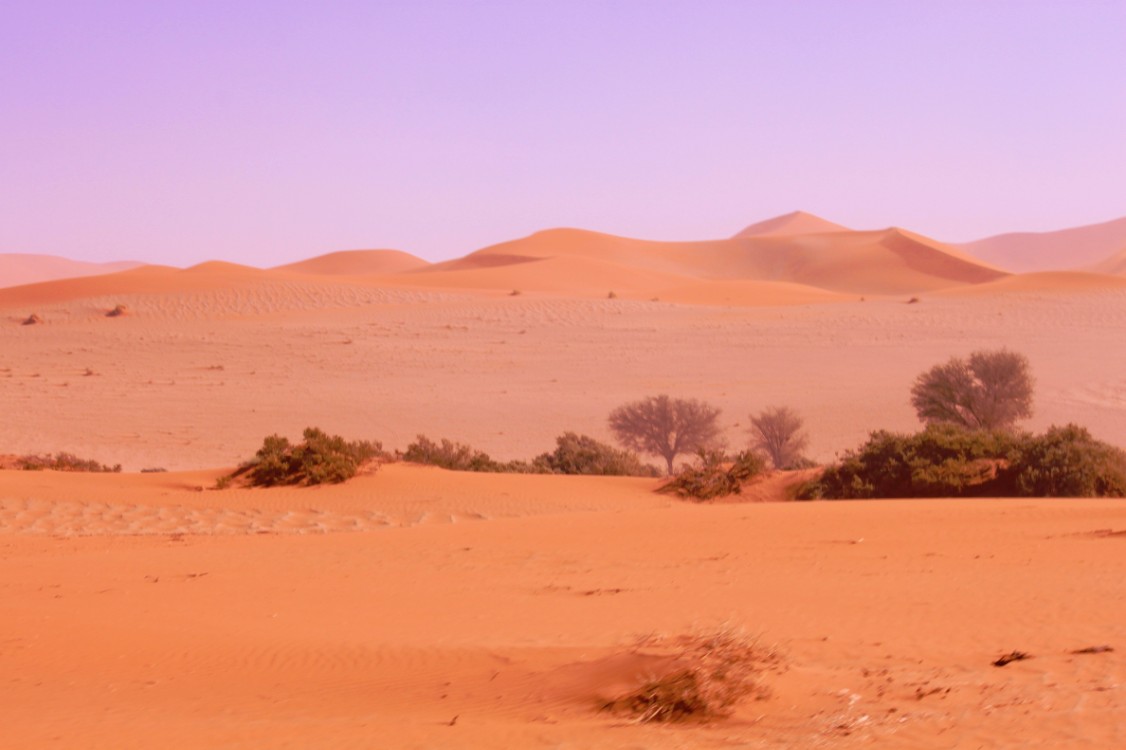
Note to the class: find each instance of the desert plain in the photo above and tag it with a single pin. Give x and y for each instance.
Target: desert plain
(414, 607)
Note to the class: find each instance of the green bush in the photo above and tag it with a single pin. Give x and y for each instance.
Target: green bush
(715, 475)
(459, 457)
(945, 460)
(319, 459)
(1068, 462)
(581, 454)
(64, 462)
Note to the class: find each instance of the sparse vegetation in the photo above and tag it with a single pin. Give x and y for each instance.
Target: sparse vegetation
(117, 311)
(581, 454)
(448, 454)
(32, 320)
(63, 462)
(777, 432)
(946, 460)
(666, 427)
(319, 459)
(991, 390)
(715, 475)
(711, 673)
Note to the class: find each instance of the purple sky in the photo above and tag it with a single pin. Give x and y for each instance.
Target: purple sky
(263, 132)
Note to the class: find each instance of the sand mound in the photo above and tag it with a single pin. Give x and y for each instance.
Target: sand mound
(1066, 249)
(17, 269)
(791, 224)
(356, 263)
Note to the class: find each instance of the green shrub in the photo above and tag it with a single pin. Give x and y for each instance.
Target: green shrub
(715, 475)
(64, 462)
(581, 454)
(319, 459)
(945, 460)
(1068, 462)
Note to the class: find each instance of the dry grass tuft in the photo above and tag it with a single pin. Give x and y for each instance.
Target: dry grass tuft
(711, 672)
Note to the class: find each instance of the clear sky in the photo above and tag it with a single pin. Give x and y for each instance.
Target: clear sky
(263, 132)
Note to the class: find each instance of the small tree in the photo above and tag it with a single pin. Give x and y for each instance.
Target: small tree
(665, 427)
(777, 432)
(992, 390)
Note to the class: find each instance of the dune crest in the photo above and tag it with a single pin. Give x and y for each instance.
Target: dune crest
(793, 223)
(1062, 250)
(356, 263)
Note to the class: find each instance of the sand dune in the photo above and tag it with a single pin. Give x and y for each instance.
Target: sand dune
(791, 224)
(1115, 264)
(17, 269)
(884, 262)
(1059, 282)
(356, 263)
(1066, 249)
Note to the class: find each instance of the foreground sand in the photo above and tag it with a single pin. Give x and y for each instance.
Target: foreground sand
(418, 608)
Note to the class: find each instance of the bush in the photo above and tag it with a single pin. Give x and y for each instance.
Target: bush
(715, 475)
(459, 457)
(1068, 462)
(580, 454)
(945, 460)
(319, 459)
(64, 462)
(711, 673)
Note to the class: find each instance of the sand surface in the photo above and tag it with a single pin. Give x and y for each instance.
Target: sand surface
(419, 608)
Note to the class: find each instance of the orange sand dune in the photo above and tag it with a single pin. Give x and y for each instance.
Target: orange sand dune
(420, 608)
(17, 269)
(356, 263)
(1066, 249)
(885, 262)
(795, 223)
(1116, 264)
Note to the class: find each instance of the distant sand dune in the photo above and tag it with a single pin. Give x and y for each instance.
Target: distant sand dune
(791, 224)
(17, 269)
(1063, 250)
(356, 263)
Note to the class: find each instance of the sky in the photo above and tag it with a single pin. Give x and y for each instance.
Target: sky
(266, 132)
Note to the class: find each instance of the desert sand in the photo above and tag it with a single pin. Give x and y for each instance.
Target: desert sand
(419, 608)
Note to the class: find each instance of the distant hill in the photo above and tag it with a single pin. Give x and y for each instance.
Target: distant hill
(1063, 250)
(356, 263)
(17, 269)
(1115, 264)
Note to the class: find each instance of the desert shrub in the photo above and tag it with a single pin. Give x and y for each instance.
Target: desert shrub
(715, 475)
(448, 454)
(319, 459)
(711, 673)
(581, 454)
(990, 390)
(778, 433)
(945, 460)
(666, 427)
(64, 462)
(1068, 462)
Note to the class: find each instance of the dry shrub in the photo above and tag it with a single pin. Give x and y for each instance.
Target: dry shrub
(712, 672)
(64, 462)
(117, 311)
(715, 475)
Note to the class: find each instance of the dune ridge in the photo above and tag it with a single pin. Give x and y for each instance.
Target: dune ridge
(17, 269)
(1069, 249)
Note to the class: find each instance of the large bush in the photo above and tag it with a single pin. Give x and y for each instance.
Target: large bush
(666, 427)
(945, 460)
(319, 459)
(1068, 462)
(990, 390)
(581, 454)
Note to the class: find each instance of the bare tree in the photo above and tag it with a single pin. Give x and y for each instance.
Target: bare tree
(666, 427)
(777, 432)
(992, 390)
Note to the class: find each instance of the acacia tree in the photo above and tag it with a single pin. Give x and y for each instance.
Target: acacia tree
(777, 432)
(665, 427)
(991, 390)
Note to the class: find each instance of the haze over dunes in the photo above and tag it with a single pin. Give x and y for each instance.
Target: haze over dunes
(26, 268)
(1083, 247)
